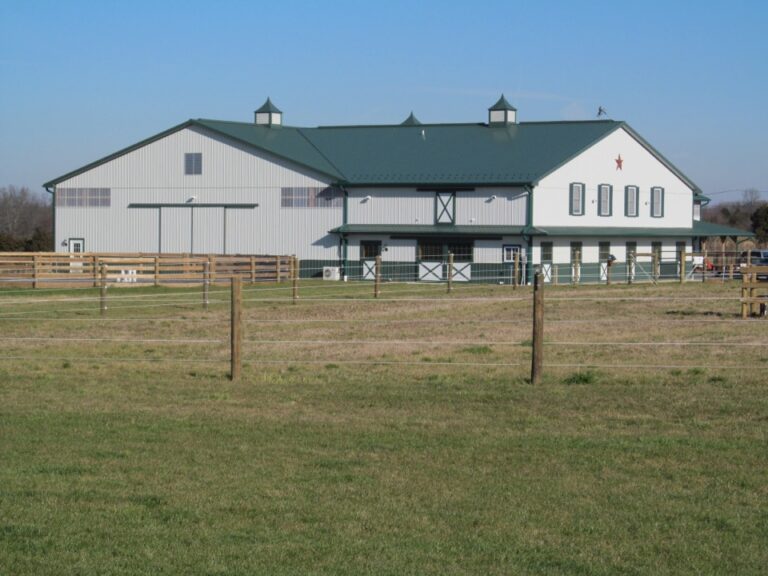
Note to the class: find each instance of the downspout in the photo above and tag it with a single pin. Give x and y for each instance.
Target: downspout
(344, 239)
(52, 192)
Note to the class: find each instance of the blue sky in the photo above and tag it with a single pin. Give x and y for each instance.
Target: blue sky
(81, 79)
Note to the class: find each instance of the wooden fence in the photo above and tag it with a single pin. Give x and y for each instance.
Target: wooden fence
(54, 269)
(754, 291)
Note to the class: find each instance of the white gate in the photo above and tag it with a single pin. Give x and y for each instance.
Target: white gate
(603, 271)
(369, 269)
(546, 269)
(462, 271)
(431, 271)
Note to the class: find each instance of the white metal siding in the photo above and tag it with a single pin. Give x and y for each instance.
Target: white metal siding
(231, 173)
(484, 206)
(597, 166)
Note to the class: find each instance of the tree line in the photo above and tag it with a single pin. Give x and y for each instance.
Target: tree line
(749, 213)
(26, 220)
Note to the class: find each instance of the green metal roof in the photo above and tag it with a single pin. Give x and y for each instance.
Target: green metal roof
(502, 104)
(416, 154)
(453, 154)
(429, 230)
(269, 107)
(701, 228)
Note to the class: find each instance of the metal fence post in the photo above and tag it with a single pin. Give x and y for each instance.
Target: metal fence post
(206, 283)
(537, 352)
(516, 270)
(103, 290)
(295, 278)
(450, 272)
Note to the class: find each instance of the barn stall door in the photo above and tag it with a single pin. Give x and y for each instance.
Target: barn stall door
(208, 230)
(175, 230)
(369, 249)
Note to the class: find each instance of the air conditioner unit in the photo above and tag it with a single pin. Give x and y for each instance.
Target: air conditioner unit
(331, 273)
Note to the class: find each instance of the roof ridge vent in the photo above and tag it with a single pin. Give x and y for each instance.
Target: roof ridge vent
(502, 113)
(268, 115)
(411, 121)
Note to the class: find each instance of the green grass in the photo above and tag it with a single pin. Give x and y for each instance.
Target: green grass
(143, 458)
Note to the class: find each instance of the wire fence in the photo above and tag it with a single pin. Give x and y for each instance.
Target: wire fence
(433, 326)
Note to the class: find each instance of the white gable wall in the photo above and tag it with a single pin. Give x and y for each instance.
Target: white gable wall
(231, 173)
(596, 166)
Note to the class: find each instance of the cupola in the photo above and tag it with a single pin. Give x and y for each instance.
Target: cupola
(411, 121)
(268, 115)
(502, 113)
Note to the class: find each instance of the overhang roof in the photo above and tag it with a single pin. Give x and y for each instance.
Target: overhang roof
(699, 229)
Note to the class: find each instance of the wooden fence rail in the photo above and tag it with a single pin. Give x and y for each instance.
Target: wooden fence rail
(56, 270)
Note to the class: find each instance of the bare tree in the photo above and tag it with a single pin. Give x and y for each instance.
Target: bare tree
(24, 215)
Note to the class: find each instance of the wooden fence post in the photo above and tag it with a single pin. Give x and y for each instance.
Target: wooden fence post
(206, 283)
(655, 267)
(537, 346)
(236, 329)
(253, 269)
(555, 274)
(34, 271)
(278, 261)
(450, 272)
(94, 265)
(157, 271)
(103, 295)
(295, 278)
(377, 277)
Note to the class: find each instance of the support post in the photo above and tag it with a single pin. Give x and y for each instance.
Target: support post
(516, 270)
(278, 260)
(377, 278)
(450, 272)
(537, 352)
(608, 266)
(103, 291)
(253, 269)
(630, 268)
(704, 266)
(681, 255)
(295, 278)
(206, 283)
(236, 329)
(655, 267)
(157, 271)
(555, 274)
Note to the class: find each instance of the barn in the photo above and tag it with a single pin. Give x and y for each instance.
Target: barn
(491, 193)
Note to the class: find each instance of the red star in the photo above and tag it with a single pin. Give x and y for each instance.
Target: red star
(619, 162)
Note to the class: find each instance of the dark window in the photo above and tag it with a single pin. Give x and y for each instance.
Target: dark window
(546, 252)
(605, 251)
(311, 197)
(369, 249)
(576, 252)
(193, 163)
(83, 197)
(462, 252)
(656, 250)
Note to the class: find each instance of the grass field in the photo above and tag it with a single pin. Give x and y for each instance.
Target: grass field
(398, 436)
